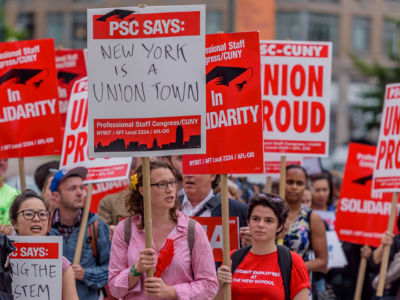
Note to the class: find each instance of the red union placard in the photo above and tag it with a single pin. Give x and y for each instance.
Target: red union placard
(296, 80)
(272, 163)
(128, 24)
(71, 66)
(213, 228)
(387, 167)
(29, 113)
(75, 146)
(146, 77)
(233, 118)
(362, 214)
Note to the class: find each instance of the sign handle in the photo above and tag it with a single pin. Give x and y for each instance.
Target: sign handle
(386, 248)
(147, 207)
(21, 167)
(360, 278)
(225, 230)
(282, 182)
(82, 228)
(268, 185)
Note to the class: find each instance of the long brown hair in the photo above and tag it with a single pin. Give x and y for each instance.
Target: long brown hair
(134, 201)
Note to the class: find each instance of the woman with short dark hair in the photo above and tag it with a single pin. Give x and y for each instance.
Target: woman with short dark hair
(258, 275)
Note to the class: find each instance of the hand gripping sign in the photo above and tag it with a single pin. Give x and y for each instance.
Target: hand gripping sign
(233, 119)
(296, 80)
(29, 114)
(146, 80)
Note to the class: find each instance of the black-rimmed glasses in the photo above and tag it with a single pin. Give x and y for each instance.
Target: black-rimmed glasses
(29, 214)
(164, 184)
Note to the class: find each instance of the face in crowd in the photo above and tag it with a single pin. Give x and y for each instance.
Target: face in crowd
(320, 192)
(197, 187)
(71, 193)
(296, 181)
(29, 214)
(162, 189)
(3, 168)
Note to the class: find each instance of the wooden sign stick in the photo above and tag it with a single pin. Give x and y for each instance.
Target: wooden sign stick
(282, 181)
(147, 207)
(360, 278)
(386, 248)
(21, 167)
(82, 228)
(268, 185)
(225, 231)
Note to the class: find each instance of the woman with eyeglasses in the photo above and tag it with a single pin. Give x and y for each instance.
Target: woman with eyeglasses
(30, 217)
(258, 273)
(188, 273)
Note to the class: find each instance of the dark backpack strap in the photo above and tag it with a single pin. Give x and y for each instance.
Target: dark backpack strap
(285, 265)
(127, 229)
(93, 232)
(238, 256)
(190, 236)
(210, 205)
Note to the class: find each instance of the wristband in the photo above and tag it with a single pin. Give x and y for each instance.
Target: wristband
(133, 272)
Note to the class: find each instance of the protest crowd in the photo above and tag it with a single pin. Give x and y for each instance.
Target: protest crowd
(134, 204)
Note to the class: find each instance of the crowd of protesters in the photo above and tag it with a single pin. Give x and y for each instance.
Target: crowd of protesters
(114, 263)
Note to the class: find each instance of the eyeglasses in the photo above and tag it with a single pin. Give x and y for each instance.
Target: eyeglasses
(30, 214)
(164, 184)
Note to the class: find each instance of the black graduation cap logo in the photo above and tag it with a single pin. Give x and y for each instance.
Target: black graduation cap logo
(225, 75)
(24, 76)
(363, 180)
(66, 77)
(119, 13)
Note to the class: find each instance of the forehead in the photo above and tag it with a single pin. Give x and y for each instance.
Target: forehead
(161, 172)
(263, 211)
(72, 180)
(32, 203)
(321, 182)
(296, 174)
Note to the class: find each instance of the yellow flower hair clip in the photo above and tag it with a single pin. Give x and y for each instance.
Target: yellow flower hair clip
(134, 181)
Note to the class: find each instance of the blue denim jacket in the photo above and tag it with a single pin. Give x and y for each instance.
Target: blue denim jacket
(96, 276)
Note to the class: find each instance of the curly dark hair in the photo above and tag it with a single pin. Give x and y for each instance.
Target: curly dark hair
(272, 201)
(134, 201)
(21, 198)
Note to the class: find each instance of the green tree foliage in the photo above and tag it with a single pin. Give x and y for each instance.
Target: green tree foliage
(383, 76)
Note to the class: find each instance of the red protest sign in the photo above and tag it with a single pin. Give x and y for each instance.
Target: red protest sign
(233, 118)
(29, 114)
(35, 251)
(71, 66)
(213, 228)
(296, 80)
(362, 214)
(75, 146)
(387, 168)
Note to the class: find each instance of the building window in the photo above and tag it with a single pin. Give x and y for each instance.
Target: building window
(213, 21)
(78, 39)
(26, 22)
(361, 32)
(391, 31)
(324, 27)
(288, 26)
(55, 28)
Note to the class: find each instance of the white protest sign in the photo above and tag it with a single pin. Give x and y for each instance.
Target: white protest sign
(146, 70)
(296, 79)
(328, 216)
(336, 257)
(37, 267)
(386, 176)
(75, 145)
(272, 162)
